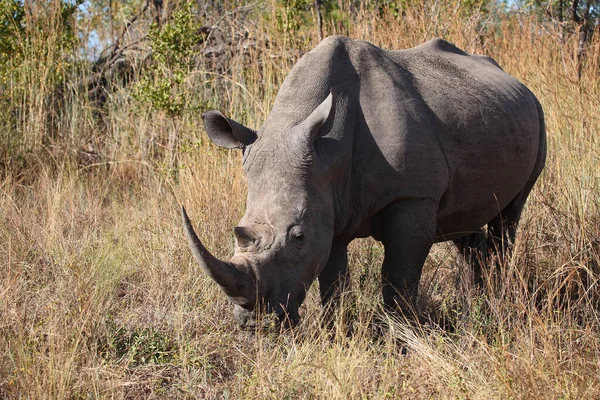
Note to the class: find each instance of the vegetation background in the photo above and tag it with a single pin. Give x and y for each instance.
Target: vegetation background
(101, 139)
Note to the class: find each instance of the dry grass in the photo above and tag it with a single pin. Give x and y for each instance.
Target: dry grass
(100, 297)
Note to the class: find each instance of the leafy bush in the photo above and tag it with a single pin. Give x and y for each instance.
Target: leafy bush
(173, 49)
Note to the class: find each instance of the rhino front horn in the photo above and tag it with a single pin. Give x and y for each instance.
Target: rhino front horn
(236, 284)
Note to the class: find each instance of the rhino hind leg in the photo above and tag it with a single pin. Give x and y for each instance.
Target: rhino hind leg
(478, 248)
(502, 230)
(473, 249)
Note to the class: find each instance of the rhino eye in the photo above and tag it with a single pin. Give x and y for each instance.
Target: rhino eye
(297, 234)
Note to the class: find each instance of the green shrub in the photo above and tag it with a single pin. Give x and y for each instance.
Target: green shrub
(173, 45)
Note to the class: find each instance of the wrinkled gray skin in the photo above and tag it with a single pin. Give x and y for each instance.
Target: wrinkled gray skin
(410, 146)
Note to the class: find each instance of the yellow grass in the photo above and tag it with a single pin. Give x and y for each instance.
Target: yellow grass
(100, 297)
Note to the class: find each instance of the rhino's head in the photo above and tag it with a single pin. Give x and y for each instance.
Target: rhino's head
(284, 239)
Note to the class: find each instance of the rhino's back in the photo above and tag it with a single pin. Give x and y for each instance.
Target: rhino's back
(488, 126)
(484, 122)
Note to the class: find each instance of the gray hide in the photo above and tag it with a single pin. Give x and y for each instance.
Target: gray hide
(408, 146)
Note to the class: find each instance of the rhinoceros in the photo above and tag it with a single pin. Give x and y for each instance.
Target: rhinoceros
(411, 147)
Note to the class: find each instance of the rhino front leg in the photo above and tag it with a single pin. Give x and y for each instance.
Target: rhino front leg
(408, 231)
(334, 278)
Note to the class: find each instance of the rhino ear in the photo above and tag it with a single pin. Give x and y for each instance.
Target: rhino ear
(225, 132)
(315, 121)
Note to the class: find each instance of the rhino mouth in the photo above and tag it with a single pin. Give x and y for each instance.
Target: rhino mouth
(253, 319)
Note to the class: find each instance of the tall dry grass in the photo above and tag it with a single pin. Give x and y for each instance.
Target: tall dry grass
(100, 297)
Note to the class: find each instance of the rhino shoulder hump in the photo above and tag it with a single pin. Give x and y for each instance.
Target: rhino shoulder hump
(334, 41)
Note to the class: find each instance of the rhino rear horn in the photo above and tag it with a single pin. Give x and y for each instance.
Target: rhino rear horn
(238, 285)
